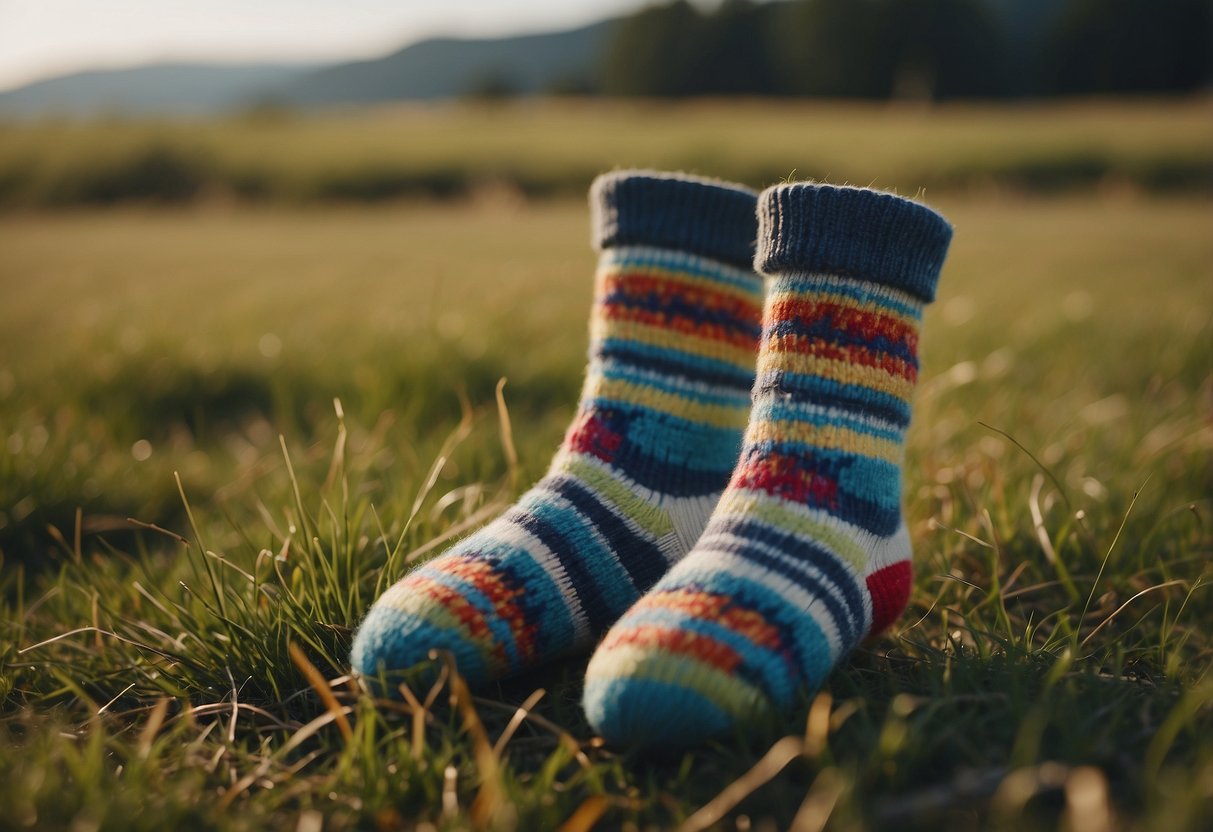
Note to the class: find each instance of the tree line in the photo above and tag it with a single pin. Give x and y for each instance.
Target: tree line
(931, 49)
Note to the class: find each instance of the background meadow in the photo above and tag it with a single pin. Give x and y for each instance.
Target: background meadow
(295, 393)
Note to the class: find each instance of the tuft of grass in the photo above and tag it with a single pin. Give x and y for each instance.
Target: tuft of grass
(189, 669)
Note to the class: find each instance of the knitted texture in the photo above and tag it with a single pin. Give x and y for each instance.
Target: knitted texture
(673, 337)
(806, 554)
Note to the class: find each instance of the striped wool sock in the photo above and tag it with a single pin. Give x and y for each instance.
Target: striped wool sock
(674, 333)
(806, 554)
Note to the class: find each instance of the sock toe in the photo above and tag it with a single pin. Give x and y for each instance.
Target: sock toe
(653, 699)
(391, 640)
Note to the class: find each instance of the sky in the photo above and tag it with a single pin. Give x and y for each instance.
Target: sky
(43, 38)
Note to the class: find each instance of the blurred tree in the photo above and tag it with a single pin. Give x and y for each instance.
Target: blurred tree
(1131, 46)
(883, 48)
(733, 55)
(653, 52)
(946, 49)
(931, 49)
(833, 48)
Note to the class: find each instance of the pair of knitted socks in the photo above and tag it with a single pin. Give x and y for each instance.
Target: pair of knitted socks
(726, 505)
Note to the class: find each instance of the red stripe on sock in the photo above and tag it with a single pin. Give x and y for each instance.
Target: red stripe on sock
(848, 319)
(489, 583)
(848, 353)
(787, 477)
(590, 435)
(641, 286)
(718, 608)
(676, 323)
(699, 647)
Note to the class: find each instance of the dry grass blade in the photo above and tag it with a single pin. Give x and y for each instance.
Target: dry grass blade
(1044, 468)
(507, 435)
(152, 527)
(1038, 518)
(1122, 607)
(215, 707)
(817, 726)
(819, 803)
(231, 726)
(316, 679)
(299, 737)
(115, 698)
(220, 602)
(417, 744)
(337, 464)
(1108, 555)
(244, 782)
(107, 633)
(452, 441)
(516, 721)
(587, 814)
(562, 736)
(491, 796)
(155, 721)
(773, 762)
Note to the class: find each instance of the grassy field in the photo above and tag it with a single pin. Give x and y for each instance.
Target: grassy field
(1052, 670)
(546, 148)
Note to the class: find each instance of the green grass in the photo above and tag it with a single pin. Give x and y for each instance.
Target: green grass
(556, 147)
(1053, 665)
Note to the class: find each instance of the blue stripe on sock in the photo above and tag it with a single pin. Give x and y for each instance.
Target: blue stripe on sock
(767, 544)
(587, 544)
(771, 409)
(675, 306)
(826, 392)
(661, 452)
(843, 618)
(561, 534)
(669, 384)
(675, 362)
(638, 555)
(813, 284)
(828, 331)
(868, 491)
(636, 259)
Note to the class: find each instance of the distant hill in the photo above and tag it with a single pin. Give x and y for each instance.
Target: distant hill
(157, 89)
(429, 69)
(449, 67)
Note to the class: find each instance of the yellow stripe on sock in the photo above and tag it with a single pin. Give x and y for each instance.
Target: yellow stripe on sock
(773, 512)
(830, 437)
(846, 372)
(729, 693)
(669, 339)
(716, 415)
(650, 518)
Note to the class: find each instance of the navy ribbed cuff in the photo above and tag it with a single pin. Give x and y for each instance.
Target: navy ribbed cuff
(858, 232)
(687, 213)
